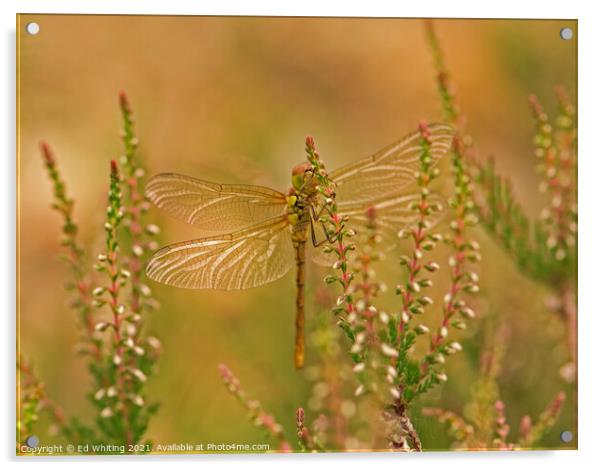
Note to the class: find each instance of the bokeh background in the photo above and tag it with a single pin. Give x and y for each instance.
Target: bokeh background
(231, 100)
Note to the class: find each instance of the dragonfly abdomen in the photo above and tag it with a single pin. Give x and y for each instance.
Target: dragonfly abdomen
(300, 304)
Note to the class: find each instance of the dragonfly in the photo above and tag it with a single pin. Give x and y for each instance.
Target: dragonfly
(253, 235)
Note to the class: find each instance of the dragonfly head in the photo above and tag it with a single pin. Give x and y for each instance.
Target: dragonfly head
(301, 173)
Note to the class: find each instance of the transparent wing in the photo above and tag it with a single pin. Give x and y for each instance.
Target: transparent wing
(389, 170)
(239, 260)
(386, 181)
(211, 207)
(393, 212)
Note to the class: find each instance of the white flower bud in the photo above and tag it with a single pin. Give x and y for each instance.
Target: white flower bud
(139, 375)
(153, 342)
(98, 291)
(389, 351)
(138, 400)
(152, 229)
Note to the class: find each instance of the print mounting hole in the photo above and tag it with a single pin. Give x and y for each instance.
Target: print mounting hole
(566, 436)
(566, 34)
(32, 28)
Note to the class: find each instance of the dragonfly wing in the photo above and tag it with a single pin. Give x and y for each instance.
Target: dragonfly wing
(211, 207)
(393, 212)
(388, 170)
(240, 260)
(385, 181)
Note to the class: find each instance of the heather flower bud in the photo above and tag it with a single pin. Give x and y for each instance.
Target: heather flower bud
(467, 312)
(152, 229)
(431, 267)
(98, 291)
(138, 400)
(421, 329)
(139, 375)
(102, 326)
(389, 351)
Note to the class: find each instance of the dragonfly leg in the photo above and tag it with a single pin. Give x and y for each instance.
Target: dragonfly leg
(328, 239)
(317, 216)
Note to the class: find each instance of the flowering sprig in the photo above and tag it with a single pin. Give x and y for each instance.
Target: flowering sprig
(408, 382)
(141, 235)
(532, 433)
(450, 110)
(339, 248)
(369, 325)
(464, 250)
(305, 438)
(120, 399)
(257, 415)
(557, 164)
(464, 253)
(80, 282)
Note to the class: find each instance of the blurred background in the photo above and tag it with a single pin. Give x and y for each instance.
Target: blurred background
(231, 100)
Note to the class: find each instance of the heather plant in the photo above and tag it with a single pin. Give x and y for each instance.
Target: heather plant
(385, 365)
(483, 423)
(544, 249)
(110, 302)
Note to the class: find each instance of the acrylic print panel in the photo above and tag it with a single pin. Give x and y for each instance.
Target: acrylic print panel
(179, 176)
